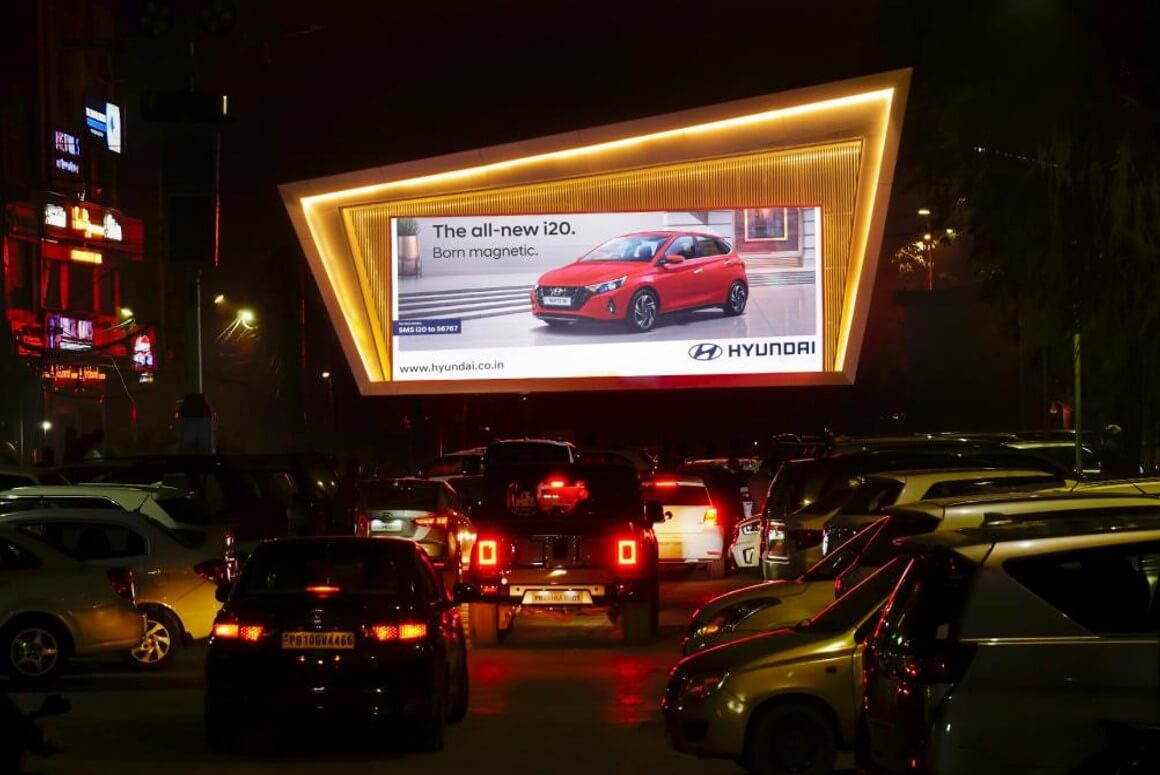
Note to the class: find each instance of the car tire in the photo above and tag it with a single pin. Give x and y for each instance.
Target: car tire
(736, 299)
(716, 568)
(638, 621)
(643, 311)
(429, 736)
(791, 738)
(35, 650)
(458, 710)
(163, 639)
(484, 620)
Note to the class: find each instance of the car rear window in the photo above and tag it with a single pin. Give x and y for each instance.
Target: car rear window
(395, 495)
(526, 453)
(926, 608)
(584, 492)
(355, 567)
(677, 495)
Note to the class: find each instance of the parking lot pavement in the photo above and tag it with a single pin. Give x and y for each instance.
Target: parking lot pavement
(554, 698)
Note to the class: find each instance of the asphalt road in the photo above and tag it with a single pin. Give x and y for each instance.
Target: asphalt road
(554, 698)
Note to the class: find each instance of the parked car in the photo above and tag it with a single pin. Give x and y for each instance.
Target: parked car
(19, 476)
(728, 483)
(771, 605)
(1006, 648)
(783, 447)
(178, 510)
(873, 494)
(516, 452)
(176, 581)
(53, 608)
(425, 511)
(745, 543)
(784, 702)
(788, 548)
(635, 278)
(350, 629)
(466, 462)
(640, 460)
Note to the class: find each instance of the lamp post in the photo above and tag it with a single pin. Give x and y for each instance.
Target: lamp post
(928, 246)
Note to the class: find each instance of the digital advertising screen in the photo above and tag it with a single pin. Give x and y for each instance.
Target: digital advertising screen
(621, 294)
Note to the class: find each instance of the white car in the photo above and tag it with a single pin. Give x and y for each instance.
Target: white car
(53, 608)
(176, 509)
(692, 533)
(1016, 648)
(745, 548)
(176, 582)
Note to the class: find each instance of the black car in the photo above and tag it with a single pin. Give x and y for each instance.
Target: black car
(342, 629)
(564, 539)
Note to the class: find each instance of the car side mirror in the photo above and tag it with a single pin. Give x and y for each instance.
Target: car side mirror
(54, 705)
(674, 258)
(654, 511)
(222, 593)
(465, 593)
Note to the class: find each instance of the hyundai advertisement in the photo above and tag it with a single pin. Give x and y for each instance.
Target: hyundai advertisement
(623, 294)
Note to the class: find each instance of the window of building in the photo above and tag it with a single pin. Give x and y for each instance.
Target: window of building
(19, 271)
(51, 285)
(767, 223)
(80, 288)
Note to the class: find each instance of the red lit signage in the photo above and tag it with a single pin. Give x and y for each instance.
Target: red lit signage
(142, 357)
(61, 374)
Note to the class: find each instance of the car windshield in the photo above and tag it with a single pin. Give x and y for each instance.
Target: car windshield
(355, 567)
(401, 495)
(848, 611)
(832, 565)
(633, 247)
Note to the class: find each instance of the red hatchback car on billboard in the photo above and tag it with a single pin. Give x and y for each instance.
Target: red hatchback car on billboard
(637, 277)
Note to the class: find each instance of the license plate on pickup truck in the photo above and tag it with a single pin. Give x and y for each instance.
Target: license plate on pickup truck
(557, 597)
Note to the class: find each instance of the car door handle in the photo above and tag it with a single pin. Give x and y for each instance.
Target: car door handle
(698, 271)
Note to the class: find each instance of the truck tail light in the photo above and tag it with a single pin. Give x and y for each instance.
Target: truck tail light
(122, 581)
(627, 554)
(489, 556)
(710, 518)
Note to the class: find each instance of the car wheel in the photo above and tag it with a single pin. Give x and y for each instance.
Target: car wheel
(716, 568)
(736, 299)
(162, 641)
(35, 651)
(643, 311)
(638, 621)
(484, 620)
(791, 739)
(458, 710)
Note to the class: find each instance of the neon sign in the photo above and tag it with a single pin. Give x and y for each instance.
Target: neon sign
(55, 215)
(109, 228)
(64, 373)
(86, 256)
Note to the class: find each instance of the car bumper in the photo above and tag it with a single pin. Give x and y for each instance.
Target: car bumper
(691, 547)
(107, 628)
(745, 550)
(604, 306)
(601, 586)
(713, 728)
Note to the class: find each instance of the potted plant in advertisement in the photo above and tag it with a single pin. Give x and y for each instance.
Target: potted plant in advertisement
(410, 262)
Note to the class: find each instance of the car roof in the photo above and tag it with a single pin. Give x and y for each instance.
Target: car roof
(955, 474)
(76, 515)
(100, 488)
(1029, 502)
(672, 233)
(1145, 485)
(1097, 529)
(473, 452)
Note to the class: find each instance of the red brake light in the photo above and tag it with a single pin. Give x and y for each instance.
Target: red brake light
(432, 522)
(710, 519)
(251, 633)
(122, 581)
(362, 523)
(323, 589)
(664, 483)
(626, 552)
(384, 633)
(228, 630)
(556, 484)
(488, 552)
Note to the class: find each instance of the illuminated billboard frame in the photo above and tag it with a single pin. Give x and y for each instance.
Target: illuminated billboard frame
(831, 146)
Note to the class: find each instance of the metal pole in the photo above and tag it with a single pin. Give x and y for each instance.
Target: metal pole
(197, 324)
(1078, 403)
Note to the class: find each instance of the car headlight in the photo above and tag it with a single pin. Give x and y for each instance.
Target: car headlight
(727, 619)
(606, 286)
(695, 688)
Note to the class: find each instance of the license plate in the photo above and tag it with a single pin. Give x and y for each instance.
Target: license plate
(557, 301)
(329, 641)
(386, 525)
(557, 597)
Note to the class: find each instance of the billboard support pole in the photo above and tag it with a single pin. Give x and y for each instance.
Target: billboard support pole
(1078, 403)
(198, 368)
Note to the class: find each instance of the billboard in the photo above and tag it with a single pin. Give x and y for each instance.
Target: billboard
(728, 246)
(614, 294)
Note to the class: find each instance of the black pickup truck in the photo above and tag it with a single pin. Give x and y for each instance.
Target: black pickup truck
(565, 539)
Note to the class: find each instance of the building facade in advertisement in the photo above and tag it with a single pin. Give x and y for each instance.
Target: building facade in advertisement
(730, 246)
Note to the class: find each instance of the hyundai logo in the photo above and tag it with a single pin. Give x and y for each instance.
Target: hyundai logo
(705, 352)
(557, 291)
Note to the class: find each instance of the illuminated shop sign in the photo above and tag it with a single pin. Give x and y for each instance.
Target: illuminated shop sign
(69, 333)
(64, 374)
(728, 246)
(108, 227)
(142, 358)
(85, 256)
(67, 150)
(55, 215)
(104, 121)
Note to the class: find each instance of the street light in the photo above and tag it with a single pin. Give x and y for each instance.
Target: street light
(246, 317)
(326, 375)
(126, 313)
(924, 212)
(45, 426)
(219, 299)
